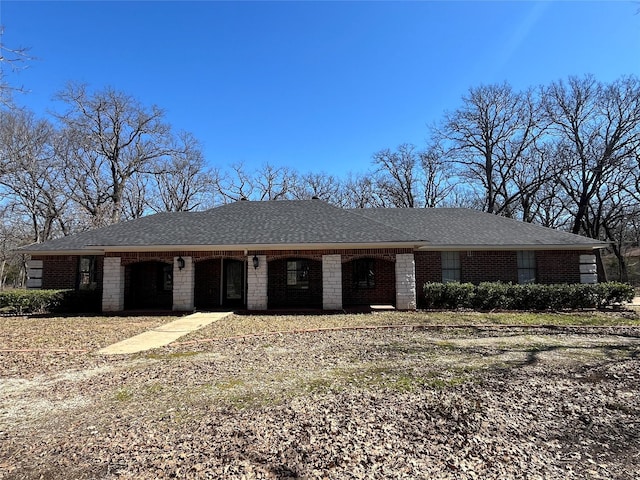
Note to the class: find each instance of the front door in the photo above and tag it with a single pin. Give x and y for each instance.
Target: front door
(233, 283)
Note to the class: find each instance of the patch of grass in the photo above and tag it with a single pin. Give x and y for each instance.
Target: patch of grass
(248, 400)
(123, 395)
(402, 348)
(169, 356)
(229, 384)
(155, 389)
(446, 345)
(379, 376)
(238, 325)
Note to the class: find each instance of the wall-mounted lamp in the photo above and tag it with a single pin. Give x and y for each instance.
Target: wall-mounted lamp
(180, 263)
(256, 262)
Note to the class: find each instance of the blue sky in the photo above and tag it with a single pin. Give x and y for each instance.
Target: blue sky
(316, 86)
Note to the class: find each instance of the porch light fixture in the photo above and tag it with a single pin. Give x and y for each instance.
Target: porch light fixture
(256, 262)
(180, 263)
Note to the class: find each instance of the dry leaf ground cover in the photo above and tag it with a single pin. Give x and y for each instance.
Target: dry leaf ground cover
(490, 396)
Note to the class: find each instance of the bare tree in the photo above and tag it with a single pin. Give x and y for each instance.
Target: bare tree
(598, 132)
(273, 183)
(437, 179)
(396, 175)
(13, 60)
(182, 183)
(235, 185)
(488, 137)
(110, 138)
(319, 185)
(32, 187)
(360, 191)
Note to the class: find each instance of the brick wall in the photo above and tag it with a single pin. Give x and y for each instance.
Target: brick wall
(481, 266)
(428, 269)
(61, 271)
(382, 293)
(559, 266)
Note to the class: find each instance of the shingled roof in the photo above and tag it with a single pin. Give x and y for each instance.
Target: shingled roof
(313, 224)
(466, 228)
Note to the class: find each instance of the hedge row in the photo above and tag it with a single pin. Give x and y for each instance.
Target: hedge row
(507, 296)
(20, 302)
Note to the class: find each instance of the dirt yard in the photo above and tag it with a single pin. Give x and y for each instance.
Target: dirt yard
(490, 396)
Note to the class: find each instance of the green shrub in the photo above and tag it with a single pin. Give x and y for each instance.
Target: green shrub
(507, 296)
(31, 301)
(493, 295)
(458, 295)
(448, 295)
(611, 293)
(434, 294)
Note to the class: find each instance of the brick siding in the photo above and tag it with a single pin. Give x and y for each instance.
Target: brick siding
(486, 266)
(553, 266)
(559, 266)
(61, 271)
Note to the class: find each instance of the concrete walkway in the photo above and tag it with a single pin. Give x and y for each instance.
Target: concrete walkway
(164, 334)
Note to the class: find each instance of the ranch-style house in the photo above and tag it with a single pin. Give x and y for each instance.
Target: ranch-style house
(303, 254)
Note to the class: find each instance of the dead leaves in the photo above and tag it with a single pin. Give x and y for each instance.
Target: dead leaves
(382, 404)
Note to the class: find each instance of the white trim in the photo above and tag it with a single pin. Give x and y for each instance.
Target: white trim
(262, 246)
(417, 246)
(37, 253)
(484, 248)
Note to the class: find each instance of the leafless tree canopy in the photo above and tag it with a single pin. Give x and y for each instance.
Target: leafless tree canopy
(565, 155)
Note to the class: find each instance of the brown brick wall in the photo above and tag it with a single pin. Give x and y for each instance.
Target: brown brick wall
(135, 257)
(428, 269)
(481, 266)
(61, 271)
(553, 266)
(384, 289)
(559, 266)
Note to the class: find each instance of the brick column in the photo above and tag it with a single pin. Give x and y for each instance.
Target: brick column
(112, 285)
(257, 284)
(331, 282)
(183, 282)
(588, 269)
(405, 282)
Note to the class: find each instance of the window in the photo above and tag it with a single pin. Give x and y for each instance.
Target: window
(363, 273)
(87, 273)
(450, 267)
(526, 267)
(297, 274)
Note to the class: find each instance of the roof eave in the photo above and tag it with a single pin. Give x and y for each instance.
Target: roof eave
(75, 251)
(258, 246)
(102, 249)
(510, 247)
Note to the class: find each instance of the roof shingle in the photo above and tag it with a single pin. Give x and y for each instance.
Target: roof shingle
(297, 222)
